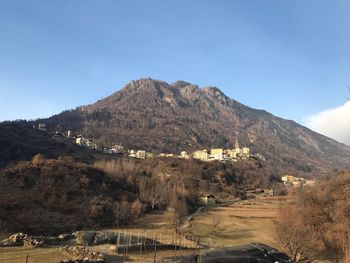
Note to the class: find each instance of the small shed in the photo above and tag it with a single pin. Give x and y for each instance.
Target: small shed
(208, 199)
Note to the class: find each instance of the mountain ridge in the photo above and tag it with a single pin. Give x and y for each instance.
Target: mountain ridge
(157, 116)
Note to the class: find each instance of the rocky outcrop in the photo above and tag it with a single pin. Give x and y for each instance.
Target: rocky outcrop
(21, 239)
(80, 238)
(87, 238)
(81, 254)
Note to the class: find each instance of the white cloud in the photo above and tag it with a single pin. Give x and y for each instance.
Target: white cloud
(334, 123)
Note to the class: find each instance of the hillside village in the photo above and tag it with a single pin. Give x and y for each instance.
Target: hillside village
(114, 120)
(205, 155)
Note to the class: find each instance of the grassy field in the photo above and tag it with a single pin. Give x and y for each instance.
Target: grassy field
(239, 223)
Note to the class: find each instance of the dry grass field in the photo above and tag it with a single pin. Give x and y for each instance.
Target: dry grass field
(35, 255)
(218, 226)
(53, 255)
(240, 223)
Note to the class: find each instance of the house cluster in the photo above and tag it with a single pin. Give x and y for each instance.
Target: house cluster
(216, 154)
(86, 142)
(291, 180)
(139, 154)
(58, 135)
(68, 135)
(115, 149)
(220, 154)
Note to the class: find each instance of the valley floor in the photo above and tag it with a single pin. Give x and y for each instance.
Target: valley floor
(219, 226)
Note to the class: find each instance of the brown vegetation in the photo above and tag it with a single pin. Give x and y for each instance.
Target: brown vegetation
(20, 142)
(59, 195)
(319, 222)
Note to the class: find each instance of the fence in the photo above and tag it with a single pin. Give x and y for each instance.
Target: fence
(130, 238)
(148, 244)
(140, 243)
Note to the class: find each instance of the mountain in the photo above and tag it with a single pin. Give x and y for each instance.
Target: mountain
(160, 117)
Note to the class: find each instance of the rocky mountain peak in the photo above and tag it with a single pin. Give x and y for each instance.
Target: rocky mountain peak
(216, 93)
(156, 116)
(144, 83)
(181, 84)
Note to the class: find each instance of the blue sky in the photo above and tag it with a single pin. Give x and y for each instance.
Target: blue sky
(291, 58)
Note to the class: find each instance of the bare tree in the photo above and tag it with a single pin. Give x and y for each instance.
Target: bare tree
(293, 233)
(151, 191)
(180, 211)
(215, 223)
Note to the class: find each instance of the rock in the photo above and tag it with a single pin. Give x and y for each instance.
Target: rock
(32, 242)
(21, 239)
(82, 254)
(17, 239)
(113, 248)
(100, 238)
(84, 238)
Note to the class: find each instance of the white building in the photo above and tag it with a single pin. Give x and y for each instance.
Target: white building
(42, 126)
(201, 155)
(141, 154)
(117, 149)
(184, 155)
